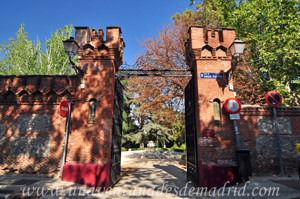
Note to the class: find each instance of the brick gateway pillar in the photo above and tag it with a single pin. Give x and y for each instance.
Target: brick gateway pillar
(89, 148)
(209, 57)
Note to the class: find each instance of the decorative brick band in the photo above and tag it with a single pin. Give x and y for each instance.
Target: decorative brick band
(37, 89)
(267, 110)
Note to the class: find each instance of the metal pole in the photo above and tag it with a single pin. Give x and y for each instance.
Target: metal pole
(237, 134)
(65, 143)
(278, 140)
(154, 70)
(205, 14)
(151, 75)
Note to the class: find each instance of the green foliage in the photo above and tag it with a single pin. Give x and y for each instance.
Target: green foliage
(174, 146)
(183, 157)
(152, 132)
(271, 31)
(21, 54)
(163, 149)
(179, 130)
(271, 28)
(129, 124)
(129, 128)
(137, 149)
(214, 13)
(22, 57)
(183, 147)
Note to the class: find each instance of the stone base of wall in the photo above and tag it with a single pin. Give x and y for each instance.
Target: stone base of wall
(263, 166)
(257, 133)
(27, 165)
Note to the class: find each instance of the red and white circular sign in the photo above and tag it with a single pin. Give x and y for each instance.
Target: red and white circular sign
(232, 105)
(64, 108)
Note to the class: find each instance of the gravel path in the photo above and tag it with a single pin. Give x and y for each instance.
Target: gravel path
(148, 174)
(151, 154)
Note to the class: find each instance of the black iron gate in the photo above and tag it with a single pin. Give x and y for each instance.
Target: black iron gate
(191, 137)
(117, 134)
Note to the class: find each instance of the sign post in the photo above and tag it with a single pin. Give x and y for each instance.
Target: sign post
(233, 106)
(65, 111)
(274, 99)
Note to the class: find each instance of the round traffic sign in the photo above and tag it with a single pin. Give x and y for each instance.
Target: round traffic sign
(232, 105)
(64, 108)
(273, 98)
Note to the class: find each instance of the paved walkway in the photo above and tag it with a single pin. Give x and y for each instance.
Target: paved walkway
(155, 179)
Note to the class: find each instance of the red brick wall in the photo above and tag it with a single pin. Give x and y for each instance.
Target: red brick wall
(26, 101)
(90, 140)
(208, 52)
(32, 97)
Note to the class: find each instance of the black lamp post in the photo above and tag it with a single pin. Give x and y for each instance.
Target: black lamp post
(71, 48)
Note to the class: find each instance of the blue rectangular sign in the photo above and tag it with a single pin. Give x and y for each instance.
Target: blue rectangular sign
(211, 75)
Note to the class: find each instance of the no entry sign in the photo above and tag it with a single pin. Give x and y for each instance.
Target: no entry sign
(232, 105)
(65, 111)
(273, 98)
(64, 108)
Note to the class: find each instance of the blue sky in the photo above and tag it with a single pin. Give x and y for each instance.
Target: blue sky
(138, 19)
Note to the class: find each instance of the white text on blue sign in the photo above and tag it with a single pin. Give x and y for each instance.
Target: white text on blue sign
(211, 75)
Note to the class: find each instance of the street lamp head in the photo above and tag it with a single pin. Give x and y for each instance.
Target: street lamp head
(71, 46)
(237, 47)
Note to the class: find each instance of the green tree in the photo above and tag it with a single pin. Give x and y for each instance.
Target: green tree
(271, 30)
(20, 54)
(213, 13)
(129, 127)
(22, 57)
(179, 130)
(153, 132)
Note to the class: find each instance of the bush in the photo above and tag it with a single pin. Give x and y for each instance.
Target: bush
(137, 149)
(123, 149)
(183, 147)
(179, 150)
(175, 146)
(163, 149)
(183, 157)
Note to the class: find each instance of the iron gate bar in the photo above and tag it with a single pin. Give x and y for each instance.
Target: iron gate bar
(154, 72)
(155, 75)
(190, 135)
(117, 133)
(158, 70)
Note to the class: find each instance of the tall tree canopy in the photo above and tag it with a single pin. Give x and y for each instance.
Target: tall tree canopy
(22, 57)
(270, 62)
(160, 98)
(271, 31)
